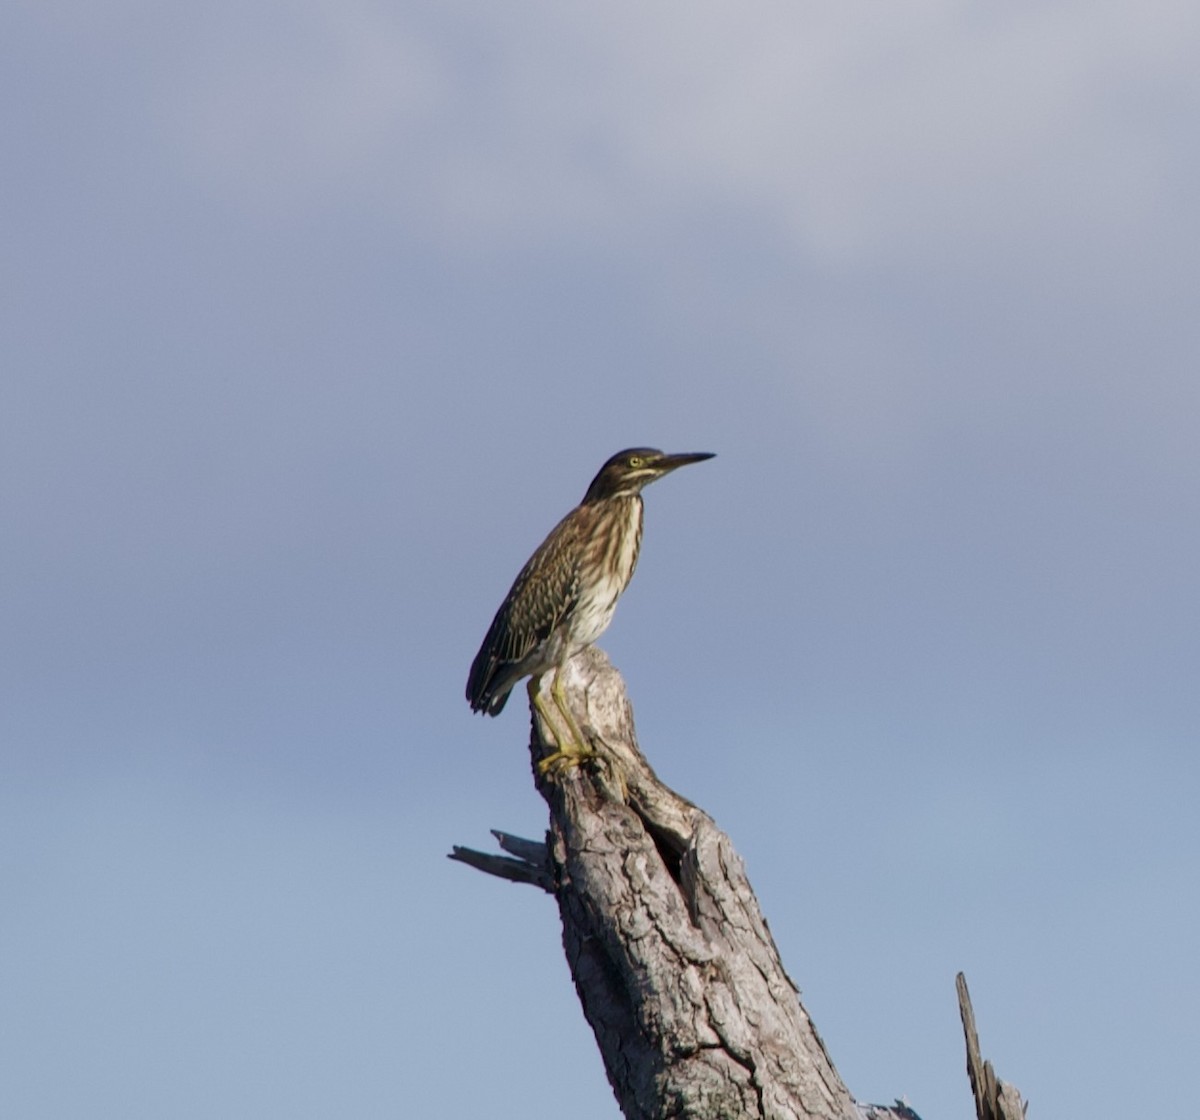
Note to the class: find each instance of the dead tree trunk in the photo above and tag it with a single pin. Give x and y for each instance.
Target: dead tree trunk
(675, 966)
(994, 1099)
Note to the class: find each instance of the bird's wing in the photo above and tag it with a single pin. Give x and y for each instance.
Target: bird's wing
(543, 593)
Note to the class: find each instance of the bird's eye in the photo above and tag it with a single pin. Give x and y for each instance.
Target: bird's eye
(635, 461)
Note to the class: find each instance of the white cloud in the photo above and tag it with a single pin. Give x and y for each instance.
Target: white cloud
(1036, 157)
(856, 129)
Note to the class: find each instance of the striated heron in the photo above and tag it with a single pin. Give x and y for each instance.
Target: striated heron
(564, 597)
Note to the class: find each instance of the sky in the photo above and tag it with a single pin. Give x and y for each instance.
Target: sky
(315, 318)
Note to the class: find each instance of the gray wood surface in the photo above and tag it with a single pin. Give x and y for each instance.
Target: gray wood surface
(994, 1099)
(675, 966)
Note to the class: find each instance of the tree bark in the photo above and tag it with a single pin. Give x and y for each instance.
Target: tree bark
(675, 966)
(994, 1099)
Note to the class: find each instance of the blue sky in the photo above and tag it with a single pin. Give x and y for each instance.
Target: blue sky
(317, 316)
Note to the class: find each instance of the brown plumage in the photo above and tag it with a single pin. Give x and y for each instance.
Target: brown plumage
(564, 597)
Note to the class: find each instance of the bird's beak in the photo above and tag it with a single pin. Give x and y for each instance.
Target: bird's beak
(669, 462)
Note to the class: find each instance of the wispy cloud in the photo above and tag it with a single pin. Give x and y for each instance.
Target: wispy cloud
(856, 131)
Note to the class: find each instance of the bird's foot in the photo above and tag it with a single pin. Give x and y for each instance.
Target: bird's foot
(571, 744)
(562, 760)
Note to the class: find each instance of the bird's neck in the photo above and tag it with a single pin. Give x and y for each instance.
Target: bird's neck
(622, 535)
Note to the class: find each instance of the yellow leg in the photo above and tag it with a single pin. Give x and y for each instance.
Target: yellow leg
(543, 710)
(559, 689)
(572, 747)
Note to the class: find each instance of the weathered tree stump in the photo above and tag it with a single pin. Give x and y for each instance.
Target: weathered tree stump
(673, 961)
(994, 1099)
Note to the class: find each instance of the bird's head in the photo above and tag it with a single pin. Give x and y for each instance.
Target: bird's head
(628, 471)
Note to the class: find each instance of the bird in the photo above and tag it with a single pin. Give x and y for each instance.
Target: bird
(564, 597)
